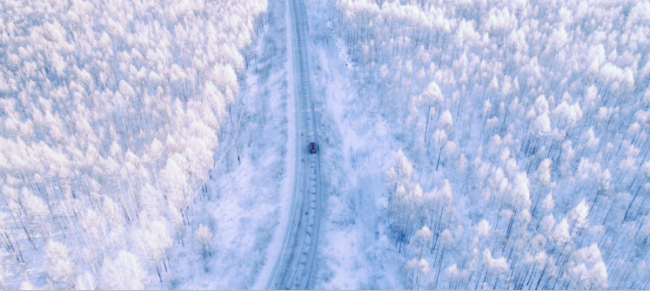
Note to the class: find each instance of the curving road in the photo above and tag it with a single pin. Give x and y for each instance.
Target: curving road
(293, 268)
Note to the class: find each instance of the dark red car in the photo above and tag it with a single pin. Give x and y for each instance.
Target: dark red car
(313, 148)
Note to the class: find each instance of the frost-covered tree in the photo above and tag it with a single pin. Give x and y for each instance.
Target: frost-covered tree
(85, 281)
(203, 236)
(399, 174)
(154, 241)
(415, 270)
(586, 269)
(430, 97)
(423, 237)
(122, 272)
(61, 268)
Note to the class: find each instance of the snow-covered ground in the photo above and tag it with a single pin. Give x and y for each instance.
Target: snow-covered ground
(248, 206)
(356, 145)
(463, 144)
(288, 182)
(354, 249)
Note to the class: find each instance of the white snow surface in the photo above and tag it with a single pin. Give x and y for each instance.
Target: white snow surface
(288, 182)
(464, 144)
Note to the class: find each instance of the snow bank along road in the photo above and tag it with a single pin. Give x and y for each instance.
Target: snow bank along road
(293, 267)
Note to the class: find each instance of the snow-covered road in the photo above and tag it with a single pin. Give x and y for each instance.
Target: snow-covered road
(293, 268)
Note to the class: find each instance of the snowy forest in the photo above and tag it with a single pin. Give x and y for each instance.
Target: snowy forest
(465, 144)
(112, 115)
(521, 158)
